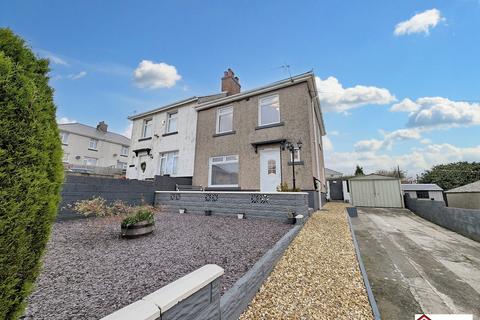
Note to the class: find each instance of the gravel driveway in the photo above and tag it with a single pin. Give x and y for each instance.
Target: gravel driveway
(90, 272)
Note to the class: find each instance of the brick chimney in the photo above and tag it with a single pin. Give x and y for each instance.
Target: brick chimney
(230, 83)
(102, 126)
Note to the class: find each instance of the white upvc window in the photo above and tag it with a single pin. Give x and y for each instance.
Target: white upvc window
(224, 119)
(90, 161)
(124, 151)
(121, 165)
(296, 155)
(269, 110)
(93, 144)
(168, 163)
(223, 171)
(64, 137)
(65, 157)
(147, 128)
(172, 122)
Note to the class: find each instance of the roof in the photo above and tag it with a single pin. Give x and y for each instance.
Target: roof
(330, 172)
(421, 187)
(471, 187)
(373, 176)
(179, 103)
(92, 132)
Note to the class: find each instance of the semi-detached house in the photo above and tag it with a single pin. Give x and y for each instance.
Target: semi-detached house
(237, 140)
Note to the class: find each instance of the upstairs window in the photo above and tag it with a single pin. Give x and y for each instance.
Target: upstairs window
(168, 163)
(224, 119)
(172, 122)
(147, 128)
(93, 144)
(64, 137)
(124, 151)
(269, 110)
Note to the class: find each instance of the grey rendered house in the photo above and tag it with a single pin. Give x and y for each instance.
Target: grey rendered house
(88, 147)
(241, 138)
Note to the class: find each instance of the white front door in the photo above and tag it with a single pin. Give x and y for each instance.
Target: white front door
(270, 170)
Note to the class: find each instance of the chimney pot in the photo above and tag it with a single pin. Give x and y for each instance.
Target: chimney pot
(102, 126)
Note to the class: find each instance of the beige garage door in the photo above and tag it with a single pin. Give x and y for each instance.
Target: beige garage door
(376, 191)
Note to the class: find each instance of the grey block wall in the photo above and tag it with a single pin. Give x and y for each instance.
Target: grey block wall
(77, 188)
(463, 221)
(252, 204)
(202, 305)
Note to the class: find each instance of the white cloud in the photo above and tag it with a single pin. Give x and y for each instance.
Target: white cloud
(419, 23)
(55, 59)
(368, 145)
(77, 76)
(334, 97)
(414, 162)
(389, 138)
(438, 113)
(425, 141)
(128, 131)
(155, 75)
(327, 143)
(64, 120)
(334, 133)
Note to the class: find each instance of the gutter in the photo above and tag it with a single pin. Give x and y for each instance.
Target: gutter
(163, 108)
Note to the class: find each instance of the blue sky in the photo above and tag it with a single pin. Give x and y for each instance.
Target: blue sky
(369, 56)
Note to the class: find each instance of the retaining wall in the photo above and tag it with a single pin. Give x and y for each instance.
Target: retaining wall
(133, 192)
(463, 221)
(275, 205)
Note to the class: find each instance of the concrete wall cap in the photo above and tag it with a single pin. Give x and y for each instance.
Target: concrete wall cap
(140, 309)
(174, 292)
(233, 192)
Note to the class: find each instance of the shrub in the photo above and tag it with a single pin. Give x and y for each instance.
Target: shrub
(140, 215)
(31, 170)
(97, 206)
(283, 187)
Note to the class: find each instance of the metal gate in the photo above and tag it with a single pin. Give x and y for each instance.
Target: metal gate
(336, 189)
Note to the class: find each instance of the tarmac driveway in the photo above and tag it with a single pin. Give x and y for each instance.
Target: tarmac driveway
(415, 266)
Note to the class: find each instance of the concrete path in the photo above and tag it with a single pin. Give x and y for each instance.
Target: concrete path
(415, 266)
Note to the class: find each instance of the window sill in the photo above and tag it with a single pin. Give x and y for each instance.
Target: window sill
(297, 163)
(124, 155)
(224, 133)
(272, 125)
(222, 189)
(93, 149)
(169, 133)
(64, 144)
(144, 139)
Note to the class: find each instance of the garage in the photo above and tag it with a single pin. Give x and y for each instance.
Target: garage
(374, 190)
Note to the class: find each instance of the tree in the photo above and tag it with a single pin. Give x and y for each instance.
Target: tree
(452, 175)
(359, 171)
(31, 170)
(396, 173)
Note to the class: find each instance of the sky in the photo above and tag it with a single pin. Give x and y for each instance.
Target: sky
(398, 81)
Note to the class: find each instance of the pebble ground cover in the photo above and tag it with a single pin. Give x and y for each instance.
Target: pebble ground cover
(89, 272)
(318, 276)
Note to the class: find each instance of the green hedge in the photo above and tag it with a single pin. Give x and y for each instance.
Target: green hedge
(30, 170)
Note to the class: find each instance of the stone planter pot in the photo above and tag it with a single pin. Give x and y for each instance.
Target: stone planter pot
(182, 210)
(291, 220)
(138, 229)
(240, 215)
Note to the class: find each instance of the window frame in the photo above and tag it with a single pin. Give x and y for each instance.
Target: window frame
(90, 144)
(85, 161)
(422, 192)
(124, 165)
(218, 114)
(64, 137)
(126, 149)
(260, 124)
(144, 127)
(224, 160)
(169, 117)
(66, 157)
(164, 155)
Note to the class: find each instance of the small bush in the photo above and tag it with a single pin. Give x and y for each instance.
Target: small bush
(283, 187)
(98, 207)
(139, 216)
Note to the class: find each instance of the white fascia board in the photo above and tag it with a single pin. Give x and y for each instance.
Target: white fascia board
(163, 108)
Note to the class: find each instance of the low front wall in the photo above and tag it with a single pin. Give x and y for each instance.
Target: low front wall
(275, 205)
(463, 221)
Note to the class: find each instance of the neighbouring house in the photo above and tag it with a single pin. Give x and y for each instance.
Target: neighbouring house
(374, 190)
(428, 191)
(87, 148)
(332, 174)
(337, 186)
(163, 140)
(467, 196)
(243, 138)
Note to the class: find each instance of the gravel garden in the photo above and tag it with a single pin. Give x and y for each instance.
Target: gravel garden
(91, 271)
